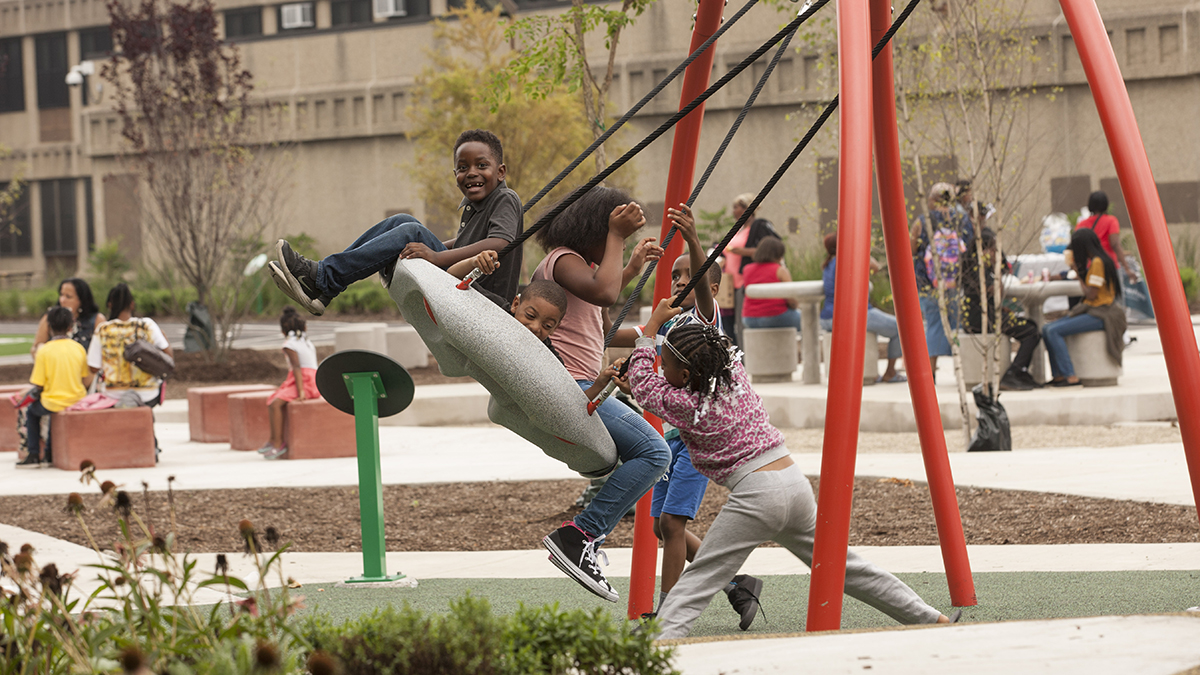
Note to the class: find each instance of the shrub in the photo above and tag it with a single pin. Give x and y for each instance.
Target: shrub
(364, 297)
(10, 304)
(38, 300)
(470, 639)
(1191, 283)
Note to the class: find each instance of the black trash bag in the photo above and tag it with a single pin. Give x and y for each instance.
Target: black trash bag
(199, 334)
(992, 432)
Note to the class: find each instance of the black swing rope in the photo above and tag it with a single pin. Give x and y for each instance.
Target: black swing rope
(662, 129)
(758, 199)
(638, 106)
(712, 165)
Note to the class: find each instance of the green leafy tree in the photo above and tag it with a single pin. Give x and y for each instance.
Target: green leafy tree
(10, 195)
(540, 134)
(553, 53)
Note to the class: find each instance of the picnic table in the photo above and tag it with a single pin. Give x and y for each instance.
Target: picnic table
(809, 295)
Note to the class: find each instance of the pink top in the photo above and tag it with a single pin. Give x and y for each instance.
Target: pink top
(579, 338)
(762, 273)
(1104, 227)
(731, 432)
(733, 261)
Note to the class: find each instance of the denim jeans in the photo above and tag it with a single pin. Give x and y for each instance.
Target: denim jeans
(1054, 334)
(644, 457)
(377, 247)
(789, 318)
(935, 334)
(879, 322)
(33, 429)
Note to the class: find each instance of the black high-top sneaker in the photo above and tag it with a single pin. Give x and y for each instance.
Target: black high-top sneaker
(574, 552)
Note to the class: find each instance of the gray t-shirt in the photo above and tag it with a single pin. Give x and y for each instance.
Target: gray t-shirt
(499, 215)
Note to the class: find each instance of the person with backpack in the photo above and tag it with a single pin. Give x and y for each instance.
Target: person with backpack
(1106, 227)
(939, 241)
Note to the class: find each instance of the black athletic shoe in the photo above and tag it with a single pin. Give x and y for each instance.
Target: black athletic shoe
(572, 552)
(31, 461)
(744, 598)
(1011, 381)
(296, 276)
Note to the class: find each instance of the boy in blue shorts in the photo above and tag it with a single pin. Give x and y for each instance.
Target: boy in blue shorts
(492, 217)
(677, 496)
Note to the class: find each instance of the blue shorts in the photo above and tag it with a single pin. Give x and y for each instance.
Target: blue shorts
(681, 489)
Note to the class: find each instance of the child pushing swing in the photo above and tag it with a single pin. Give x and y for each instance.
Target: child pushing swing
(704, 392)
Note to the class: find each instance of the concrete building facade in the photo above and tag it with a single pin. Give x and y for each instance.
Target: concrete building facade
(346, 67)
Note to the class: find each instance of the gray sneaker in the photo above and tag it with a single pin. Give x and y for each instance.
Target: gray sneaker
(744, 598)
(275, 453)
(296, 276)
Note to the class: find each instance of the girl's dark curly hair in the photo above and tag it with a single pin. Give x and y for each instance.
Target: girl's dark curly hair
(583, 226)
(707, 352)
(291, 321)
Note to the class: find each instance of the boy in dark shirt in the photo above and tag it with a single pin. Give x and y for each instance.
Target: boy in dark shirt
(492, 217)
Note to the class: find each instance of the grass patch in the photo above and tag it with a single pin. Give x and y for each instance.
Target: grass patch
(13, 345)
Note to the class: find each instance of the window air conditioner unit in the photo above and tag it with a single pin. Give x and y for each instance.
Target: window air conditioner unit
(297, 15)
(389, 8)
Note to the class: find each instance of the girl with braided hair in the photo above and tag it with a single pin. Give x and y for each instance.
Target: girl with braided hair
(704, 391)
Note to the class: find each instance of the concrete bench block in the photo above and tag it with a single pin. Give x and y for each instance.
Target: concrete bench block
(8, 417)
(116, 438)
(313, 429)
(974, 348)
(369, 336)
(406, 347)
(208, 410)
(770, 354)
(1089, 354)
(870, 356)
(249, 420)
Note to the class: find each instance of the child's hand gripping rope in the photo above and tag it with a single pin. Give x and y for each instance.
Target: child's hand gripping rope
(663, 313)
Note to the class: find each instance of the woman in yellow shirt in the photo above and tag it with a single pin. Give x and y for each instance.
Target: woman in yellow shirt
(1098, 276)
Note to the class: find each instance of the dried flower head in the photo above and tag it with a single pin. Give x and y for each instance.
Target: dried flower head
(107, 487)
(119, 581)
(123, 505)
(3, 550)
(272, 536)
(131, 659)
(159, 544)
(249, 606)
(51, 580)
(222, 565)
(74, 504)
(321, 663)
(87, 471)
(27, 548)
(171, 479)
(87, 465)
(23, 562)
(266, 655)
(249, 536)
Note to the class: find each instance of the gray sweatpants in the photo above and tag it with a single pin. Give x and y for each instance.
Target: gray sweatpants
(777, 506)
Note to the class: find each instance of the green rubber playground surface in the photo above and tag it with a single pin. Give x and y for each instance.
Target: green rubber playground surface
(14, 345)
(1008, 596)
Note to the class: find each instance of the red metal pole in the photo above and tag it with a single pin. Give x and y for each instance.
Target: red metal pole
(908, 316)
(1146, 216)
(643, 571)
(844, 400)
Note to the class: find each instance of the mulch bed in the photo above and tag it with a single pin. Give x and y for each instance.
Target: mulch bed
(516, 515)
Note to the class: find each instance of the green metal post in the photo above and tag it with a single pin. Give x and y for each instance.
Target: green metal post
(366, 389)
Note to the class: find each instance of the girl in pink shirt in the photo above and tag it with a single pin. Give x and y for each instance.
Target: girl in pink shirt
(586, 245)
(703, 390)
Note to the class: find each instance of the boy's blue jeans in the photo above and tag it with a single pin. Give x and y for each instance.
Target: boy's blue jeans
(1054, 334)
(644, 456)
(377, 247)
(33, 429)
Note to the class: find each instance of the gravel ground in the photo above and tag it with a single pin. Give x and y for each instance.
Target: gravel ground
(1024, 438)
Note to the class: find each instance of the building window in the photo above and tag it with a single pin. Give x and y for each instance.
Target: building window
(296, 15)
(95, 43)
(12, 78)
(243, 22)
(15, 241)
(91, 214)
(51, 57)
(350, 12)
(58, 217)
(395, 10)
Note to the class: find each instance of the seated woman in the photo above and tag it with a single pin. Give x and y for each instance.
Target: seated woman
(768, 268)
(879, 322)
(107, 351)
(75, 295)
(1098, 311)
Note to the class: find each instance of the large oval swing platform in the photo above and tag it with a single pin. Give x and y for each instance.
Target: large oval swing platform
(396, 383)
(532, 394)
